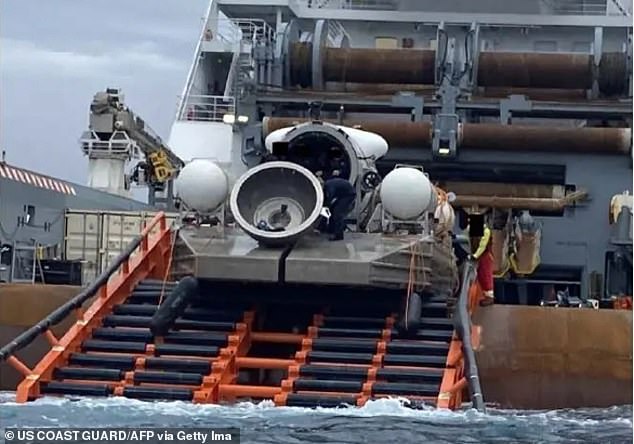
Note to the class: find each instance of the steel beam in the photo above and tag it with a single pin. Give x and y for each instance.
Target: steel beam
(461, 18)
(568, 110)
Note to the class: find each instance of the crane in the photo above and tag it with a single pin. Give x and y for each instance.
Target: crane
(115, 137)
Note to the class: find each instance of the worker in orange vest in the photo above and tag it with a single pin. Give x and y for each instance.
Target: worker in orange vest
(484, 256)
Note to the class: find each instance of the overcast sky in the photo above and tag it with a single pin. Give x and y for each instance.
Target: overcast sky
(55, 54)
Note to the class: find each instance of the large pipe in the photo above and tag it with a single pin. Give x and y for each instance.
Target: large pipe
(541, 138)
(553, 70)
(495, 69)
(516, 190)
(363, 65)
(486, 136)
(395, 133)
(524, 203)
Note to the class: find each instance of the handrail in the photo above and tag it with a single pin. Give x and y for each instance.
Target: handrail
(62, 312)
(462, 325)
(194, 65)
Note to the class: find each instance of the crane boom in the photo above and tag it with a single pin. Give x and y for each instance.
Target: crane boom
(117, 135)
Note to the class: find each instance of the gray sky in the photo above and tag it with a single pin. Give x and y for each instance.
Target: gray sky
(55, 54)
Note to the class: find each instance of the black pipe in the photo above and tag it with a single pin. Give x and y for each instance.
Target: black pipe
(63, 311)
(462, 323)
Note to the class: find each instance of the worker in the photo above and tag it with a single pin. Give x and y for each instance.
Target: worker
(335, 162)
(339, 197)
(484, 256)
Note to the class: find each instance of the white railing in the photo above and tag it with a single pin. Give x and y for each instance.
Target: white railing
(195, 63)
(586, 7)
(619, 6)
(380, 5)
(336, 33)
(557, 7)
(205, 108)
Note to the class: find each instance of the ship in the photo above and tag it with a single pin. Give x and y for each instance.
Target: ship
(442, 117)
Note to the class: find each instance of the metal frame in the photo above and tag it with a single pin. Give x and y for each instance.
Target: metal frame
(14, 255)
(459, 18)
(491, 107)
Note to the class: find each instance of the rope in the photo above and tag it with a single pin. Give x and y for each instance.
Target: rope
(167, 269)
(412, 277)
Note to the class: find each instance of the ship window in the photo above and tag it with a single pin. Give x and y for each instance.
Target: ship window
(5, 254)
(29, 217)
(385, 43)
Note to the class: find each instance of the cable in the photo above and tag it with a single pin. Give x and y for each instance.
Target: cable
(169, 265)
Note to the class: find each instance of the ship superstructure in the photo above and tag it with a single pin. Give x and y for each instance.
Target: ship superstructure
(519, 109)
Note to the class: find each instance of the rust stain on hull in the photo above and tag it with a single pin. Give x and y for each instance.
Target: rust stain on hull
(547, 358)
(21, 306)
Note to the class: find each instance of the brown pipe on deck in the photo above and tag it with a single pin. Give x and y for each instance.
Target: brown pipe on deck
(363, 65)
(535, 70)
(495, 68)
(525, 203)
(504, 189)
(491, 136)
(487, 136)
(368, 65)
(396, 133)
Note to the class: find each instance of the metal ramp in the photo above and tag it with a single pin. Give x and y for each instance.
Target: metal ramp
(224, 349)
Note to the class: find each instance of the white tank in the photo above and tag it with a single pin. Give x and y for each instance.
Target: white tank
(202, 185)
(406, 193)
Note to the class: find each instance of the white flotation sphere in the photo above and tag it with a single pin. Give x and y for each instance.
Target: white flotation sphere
(202, 185)
(406, 193)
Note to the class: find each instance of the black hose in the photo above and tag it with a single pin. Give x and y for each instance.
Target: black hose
(462, 324)
(63, 311)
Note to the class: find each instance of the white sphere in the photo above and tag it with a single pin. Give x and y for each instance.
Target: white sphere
(406, 193)
(202, 185)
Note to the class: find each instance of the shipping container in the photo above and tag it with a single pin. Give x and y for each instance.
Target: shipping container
(97, 237)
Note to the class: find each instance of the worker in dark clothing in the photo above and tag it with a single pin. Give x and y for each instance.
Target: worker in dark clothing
(339, 197)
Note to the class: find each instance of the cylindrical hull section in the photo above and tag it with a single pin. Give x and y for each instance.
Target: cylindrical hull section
(495, 68)
(490, 136)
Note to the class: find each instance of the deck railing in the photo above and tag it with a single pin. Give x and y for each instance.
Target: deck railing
(207, 108)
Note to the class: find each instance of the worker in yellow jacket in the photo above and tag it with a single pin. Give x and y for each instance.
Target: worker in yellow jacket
(484, 256)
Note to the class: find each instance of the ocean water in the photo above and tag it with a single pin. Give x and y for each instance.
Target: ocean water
(384, 421)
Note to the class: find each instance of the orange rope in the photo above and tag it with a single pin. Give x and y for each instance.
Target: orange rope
(167, 269)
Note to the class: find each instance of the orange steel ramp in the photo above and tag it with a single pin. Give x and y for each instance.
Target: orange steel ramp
(218, 353)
